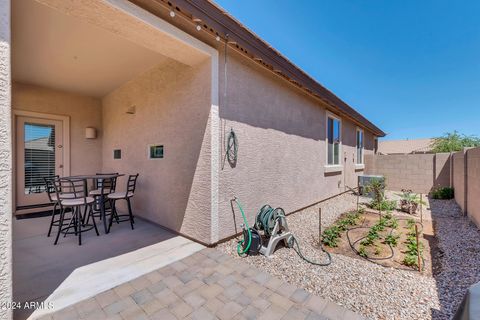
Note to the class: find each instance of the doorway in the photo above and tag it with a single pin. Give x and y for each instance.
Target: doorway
(41, 152)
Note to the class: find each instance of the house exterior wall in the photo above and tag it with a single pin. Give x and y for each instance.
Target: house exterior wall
(85, 154)
(172, 103)
(5, 162)
(281, 136)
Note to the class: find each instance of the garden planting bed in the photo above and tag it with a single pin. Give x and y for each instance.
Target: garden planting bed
(451, 242)
(382, 238)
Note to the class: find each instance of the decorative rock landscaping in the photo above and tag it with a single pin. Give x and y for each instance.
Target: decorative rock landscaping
(375, 291)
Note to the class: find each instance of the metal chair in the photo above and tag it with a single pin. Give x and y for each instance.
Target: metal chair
(77, 189)
(124, 195)
(52, 197)
(103, 187)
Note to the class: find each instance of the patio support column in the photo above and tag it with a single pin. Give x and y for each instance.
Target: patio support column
(5, 163)
(215, 147)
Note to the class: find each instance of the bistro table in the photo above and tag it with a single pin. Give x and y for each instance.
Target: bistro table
(97, 177)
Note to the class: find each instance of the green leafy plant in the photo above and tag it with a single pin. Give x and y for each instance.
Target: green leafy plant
(362, 251)
(410, 260)
(409, 201)
(454, 141)
(410, 223)
(392, 239)
(413, 248)
(377, 188)
(330, 236)
(443, 193)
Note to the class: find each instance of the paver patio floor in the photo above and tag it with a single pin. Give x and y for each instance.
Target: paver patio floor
(205, 285)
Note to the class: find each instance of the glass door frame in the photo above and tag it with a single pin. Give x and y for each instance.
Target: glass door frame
(66, 148)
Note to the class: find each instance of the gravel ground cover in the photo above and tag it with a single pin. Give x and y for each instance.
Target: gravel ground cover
(379, 292)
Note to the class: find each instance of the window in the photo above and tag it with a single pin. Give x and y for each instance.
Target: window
(117, 154)
(333, 140)
(39, 160)
(359, 146)
(155, 151)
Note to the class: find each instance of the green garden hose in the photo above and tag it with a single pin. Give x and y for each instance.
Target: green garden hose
(231, 148)
(242, 249)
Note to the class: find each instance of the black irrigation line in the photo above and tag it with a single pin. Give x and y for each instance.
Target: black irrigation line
(372, 259)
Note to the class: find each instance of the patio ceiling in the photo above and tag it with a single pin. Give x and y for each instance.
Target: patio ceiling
(60, 51)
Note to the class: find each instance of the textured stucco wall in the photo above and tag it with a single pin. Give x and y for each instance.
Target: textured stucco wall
(281, 137)
(459, 178)
(172, 104)
(473, 185)
(85, 154)
(442, 167)
(418, 172)
(411, 171)
(5, 162)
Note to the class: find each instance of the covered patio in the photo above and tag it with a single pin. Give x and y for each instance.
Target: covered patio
(39, 267)
(105, 87)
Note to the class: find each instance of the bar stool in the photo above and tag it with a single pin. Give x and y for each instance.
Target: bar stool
(123, 195)
(52, 198)
(103, 187)
(77, 189)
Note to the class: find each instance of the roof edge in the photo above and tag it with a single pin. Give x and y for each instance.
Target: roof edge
(218, 22)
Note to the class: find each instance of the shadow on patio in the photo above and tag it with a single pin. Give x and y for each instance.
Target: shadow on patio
(39, 267)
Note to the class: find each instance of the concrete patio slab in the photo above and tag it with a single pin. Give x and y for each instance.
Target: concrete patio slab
(217, 287)
(93, 279)
(39, 267)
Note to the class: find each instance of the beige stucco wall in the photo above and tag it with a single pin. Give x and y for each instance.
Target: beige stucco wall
(172, 104)
(473, 185)
(459, 178)
(85, 154)
(417, 172)
(5, 163)
(281, 137)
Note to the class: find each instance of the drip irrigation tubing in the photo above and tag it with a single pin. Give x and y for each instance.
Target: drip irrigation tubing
(373, 259)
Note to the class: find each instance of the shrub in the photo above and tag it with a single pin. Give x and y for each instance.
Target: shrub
(443, 193)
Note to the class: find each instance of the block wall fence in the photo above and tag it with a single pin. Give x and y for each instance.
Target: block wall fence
(422, 172)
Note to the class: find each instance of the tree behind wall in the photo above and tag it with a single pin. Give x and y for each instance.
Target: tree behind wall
(454, 141)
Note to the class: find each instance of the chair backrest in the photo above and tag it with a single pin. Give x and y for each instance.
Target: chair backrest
(49, 186)
(106, 185)
(75, 188)
(131, 184)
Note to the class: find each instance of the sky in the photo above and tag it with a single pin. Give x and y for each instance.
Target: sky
(411, 67)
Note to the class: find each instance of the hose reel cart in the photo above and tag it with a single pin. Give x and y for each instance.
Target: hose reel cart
(272, 223)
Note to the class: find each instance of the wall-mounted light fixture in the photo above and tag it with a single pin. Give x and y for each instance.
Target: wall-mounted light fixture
(132, 109)
(90, 133)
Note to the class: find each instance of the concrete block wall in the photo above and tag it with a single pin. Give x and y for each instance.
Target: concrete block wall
(418, 172)
(422, 172)
(473, 185)
(458, 159)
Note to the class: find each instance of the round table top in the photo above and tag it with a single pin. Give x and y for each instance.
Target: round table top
(95, 176)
